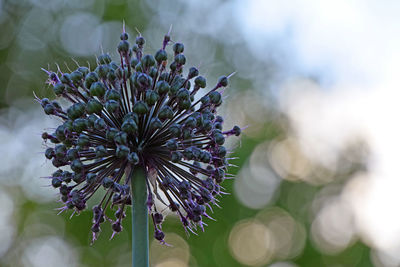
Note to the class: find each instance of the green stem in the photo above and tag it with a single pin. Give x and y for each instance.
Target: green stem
(140, 229)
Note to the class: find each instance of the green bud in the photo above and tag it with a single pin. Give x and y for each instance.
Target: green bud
(90, 78)
(193, 72)
(155, 124)
(112, 106)
(123, 47)
(111, 76)
(110, 134)
(223, 81)
(205, 157)
(104, 59)
(100, 124)
(172, 144)
(161, 55)
(83, 70)
(121, 138)
(185, 104)
(148, 61)
(207, 125)
(97, 89)
(101, 151)
(162, 87)
(153, 72)
(65, 78)
(176, 156)
(186, 134)
(68, 125)
(191, 122)
(76, 165)
(44, 102)
(219, 139)
(129, 126)
(163, 76)
(49, 109)
(205, 99)
(183, 94)
(180, 59)
(91, 120)
(124, 36)
(80, 125)
(113, 95)
(56, 104)
(143, 80)
(91, 177)
(49, 153)
(221, 151)
(102, 71)
(218, 125)
(56, 182)
(83, 140)
(77, 178)
(166, 113)
(200, 81)
(60, 150)
(134, 62)
(178, 48)
(219, 175)
(140, 107)
(122, 151)
(72, 154)
(76, 110)
(215, 97)
(133, 116)
(76, 77)
(151, 97)
(236, 130)
(140, 41)
(59, 89)
(94, 106)
(175, 130)
(108, 182)
(173, 66)
(139, 67)
(67, 176)
(188, 153)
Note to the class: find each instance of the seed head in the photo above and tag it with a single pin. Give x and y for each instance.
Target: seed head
(140, 112)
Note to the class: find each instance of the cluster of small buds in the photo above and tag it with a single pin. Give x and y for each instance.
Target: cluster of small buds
(138, 112)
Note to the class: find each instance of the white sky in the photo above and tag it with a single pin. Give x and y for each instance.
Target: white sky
(354, 47)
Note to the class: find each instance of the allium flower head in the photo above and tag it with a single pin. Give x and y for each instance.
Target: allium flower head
(138, 112)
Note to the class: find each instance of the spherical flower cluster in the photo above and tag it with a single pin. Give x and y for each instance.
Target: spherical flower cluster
(138, 112)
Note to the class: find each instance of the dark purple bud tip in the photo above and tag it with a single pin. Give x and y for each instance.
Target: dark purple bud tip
(178, 48)
(140, 41)
(117, 227)
(123, 47)
(96, 228)
(222, 81)
(159, 235)
(119, 214)
(124, 36)
(236, 130)
(158, 218)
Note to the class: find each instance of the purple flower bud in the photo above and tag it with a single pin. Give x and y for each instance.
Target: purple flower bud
(138, 112)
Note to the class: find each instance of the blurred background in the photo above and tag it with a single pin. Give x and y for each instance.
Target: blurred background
(316, 86)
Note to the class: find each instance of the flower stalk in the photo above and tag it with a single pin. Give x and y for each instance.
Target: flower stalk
(140, 228)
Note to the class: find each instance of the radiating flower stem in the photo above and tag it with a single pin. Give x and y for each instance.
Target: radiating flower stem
(140, 229)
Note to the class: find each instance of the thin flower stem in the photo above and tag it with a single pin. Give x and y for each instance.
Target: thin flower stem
(140, 229)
